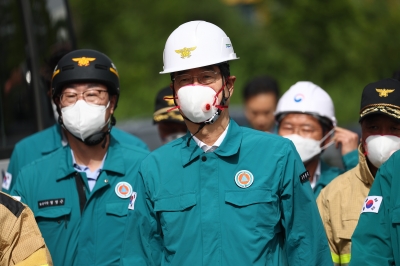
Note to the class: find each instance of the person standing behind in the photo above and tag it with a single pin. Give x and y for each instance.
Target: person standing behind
(45, 142)
(169, 122)
(375, 240)
(21, 243)
(222, 194)
(80, 194)
(260, 96)
(306, 115)
(340, 202)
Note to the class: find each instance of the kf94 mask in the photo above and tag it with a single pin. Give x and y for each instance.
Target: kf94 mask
(307, 147)
(199, 103)
(380, 148)
(83, 119)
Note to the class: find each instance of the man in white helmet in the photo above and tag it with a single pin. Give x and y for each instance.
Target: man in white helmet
(306, 115)
(221, 194)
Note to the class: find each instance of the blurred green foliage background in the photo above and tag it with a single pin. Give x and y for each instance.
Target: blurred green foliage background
(340, 45)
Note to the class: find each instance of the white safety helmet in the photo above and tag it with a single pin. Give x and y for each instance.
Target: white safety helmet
(308, 98)
(196, 44)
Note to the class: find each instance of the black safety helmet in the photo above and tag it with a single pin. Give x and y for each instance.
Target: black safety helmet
(85, 65)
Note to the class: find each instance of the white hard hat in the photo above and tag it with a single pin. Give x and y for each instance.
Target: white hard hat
(306, 97)
(196, 44)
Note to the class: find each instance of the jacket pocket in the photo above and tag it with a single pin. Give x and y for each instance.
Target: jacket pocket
(117, 209)
(172, 211)
(52, 218)
(256, 209)
(175, 203)
(244, 198)
(53, 213)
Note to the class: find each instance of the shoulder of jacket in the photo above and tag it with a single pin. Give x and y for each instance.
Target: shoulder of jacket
(133, 148)
(34, 138)
(45, 161)
(13, 205)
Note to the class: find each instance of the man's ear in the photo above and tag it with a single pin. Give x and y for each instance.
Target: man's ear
(113, 102)
(56, 101)
(230, 81)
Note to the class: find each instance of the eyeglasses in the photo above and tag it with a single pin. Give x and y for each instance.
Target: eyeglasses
(304, 131)
(205, 78)
(90, 96)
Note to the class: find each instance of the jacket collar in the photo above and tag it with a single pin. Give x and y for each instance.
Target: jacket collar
(114, 161)
(364, 174)
(229, 146)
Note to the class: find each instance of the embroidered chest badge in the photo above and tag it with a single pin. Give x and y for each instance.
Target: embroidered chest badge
(244, 179)
(123, 190)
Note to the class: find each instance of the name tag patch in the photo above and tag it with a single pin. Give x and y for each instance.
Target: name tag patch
(51, 203)
(372, 204)
(304, 177)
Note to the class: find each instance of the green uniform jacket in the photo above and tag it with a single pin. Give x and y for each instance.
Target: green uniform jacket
(328, 173)
(376, 240)
(47, 141)
(204, 218)
(49, 188)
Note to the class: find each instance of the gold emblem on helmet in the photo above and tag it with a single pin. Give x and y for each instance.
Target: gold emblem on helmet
(83, 61)
(185, 52)
(55, 73)
(384, 92)
(114, 71)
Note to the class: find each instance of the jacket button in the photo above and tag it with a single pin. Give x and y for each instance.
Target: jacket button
(204, 158)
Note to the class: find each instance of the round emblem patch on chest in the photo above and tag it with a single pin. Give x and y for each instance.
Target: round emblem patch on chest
(244, 178)
(123, 190)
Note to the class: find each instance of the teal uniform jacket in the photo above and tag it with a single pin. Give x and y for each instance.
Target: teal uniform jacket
(47, 141)
(376, 240)
(195, 205)
(328, 173)
(49, 188)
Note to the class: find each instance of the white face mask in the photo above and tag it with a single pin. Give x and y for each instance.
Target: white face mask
(83, 119)
(307, 147)
(198, 103)
(380, 148)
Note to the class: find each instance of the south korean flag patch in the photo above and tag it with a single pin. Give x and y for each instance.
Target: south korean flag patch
(372, 204)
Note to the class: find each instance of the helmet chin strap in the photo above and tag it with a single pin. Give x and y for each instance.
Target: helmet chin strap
(95, 138)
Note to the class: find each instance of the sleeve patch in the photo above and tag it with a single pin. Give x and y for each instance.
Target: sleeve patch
(304, 177)
(372, 204)
(7, 177)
